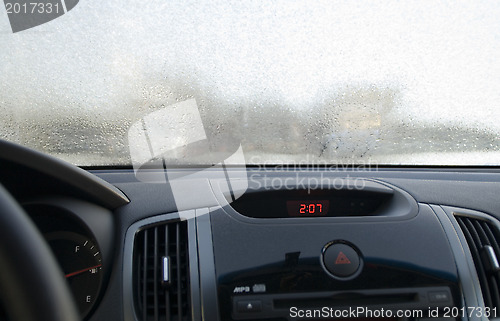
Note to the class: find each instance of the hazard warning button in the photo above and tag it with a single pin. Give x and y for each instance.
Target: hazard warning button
(341, 260)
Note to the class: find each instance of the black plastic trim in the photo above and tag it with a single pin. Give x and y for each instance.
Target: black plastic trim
(103, 192)
(451, 212)
(471, 292)
(208, 289)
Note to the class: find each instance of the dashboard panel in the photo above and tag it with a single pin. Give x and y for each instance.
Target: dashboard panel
(204, 246)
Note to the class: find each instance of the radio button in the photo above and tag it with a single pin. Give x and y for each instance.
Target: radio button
(249, 306)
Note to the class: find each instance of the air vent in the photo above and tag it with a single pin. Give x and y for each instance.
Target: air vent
(483, 237)
(161, 273)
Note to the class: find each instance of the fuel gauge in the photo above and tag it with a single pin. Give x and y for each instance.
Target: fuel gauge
(81, 262)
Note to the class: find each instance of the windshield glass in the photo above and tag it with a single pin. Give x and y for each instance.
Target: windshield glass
(118, 82)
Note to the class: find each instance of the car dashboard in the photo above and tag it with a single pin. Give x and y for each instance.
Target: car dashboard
(266, 243)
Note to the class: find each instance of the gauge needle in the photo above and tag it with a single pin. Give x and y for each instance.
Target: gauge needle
(82, 271)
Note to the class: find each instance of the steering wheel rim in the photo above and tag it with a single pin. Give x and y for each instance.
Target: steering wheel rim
(32, 287)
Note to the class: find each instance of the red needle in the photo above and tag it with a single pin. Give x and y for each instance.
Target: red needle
(82, 271)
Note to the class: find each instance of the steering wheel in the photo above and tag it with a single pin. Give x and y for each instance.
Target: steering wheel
(32, 287)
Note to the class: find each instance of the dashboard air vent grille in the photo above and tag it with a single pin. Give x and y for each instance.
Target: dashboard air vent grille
(161, 273)
(483, 239)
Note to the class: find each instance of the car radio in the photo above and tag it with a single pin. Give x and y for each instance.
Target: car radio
(314, 266)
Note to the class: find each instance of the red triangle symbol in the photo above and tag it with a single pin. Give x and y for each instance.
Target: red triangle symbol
(342, 259)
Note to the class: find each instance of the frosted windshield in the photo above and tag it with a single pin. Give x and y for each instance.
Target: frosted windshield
(111, 82)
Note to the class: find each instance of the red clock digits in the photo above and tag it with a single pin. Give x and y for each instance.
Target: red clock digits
(308, 208)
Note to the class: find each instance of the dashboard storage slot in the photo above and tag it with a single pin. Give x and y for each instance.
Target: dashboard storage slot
(348, 198)
(161, 273)
(483, 238)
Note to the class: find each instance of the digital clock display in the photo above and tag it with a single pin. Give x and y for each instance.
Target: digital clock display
(307, 208)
